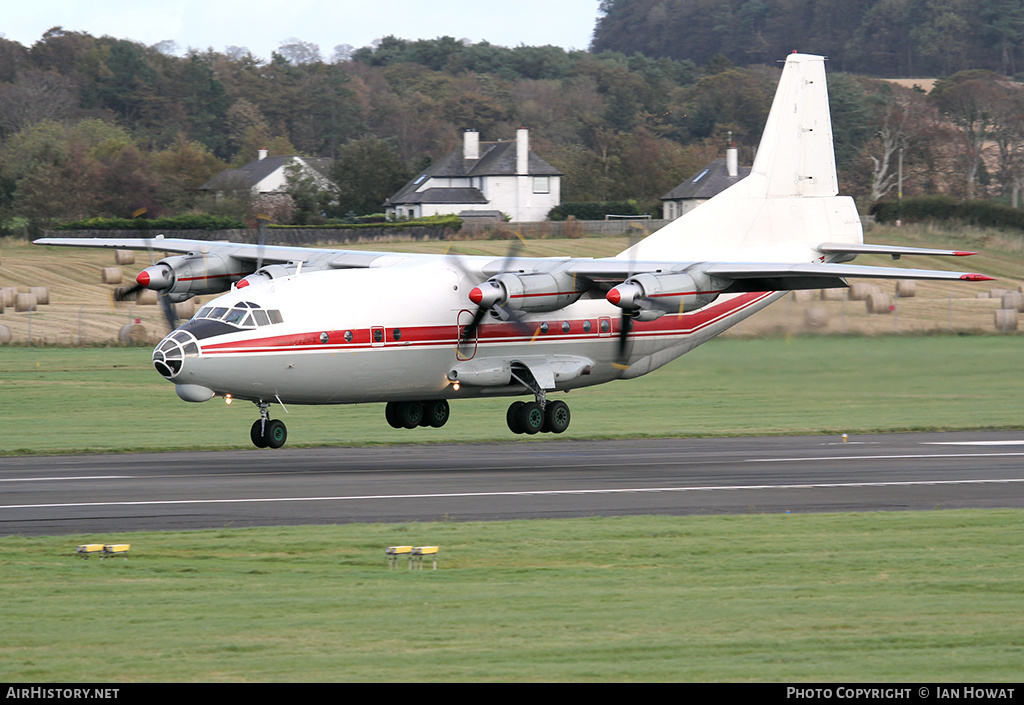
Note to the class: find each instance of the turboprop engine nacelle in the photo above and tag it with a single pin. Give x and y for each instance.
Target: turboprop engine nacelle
(670, 292)
(533, 292)
(183, 276)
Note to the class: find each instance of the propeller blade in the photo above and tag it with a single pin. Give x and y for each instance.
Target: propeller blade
(625, 326)
(169, 314)
(128, 293)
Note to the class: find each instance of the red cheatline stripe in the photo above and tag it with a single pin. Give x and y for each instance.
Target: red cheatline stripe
(670, 324)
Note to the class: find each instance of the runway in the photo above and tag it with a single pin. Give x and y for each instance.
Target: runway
(521, 480)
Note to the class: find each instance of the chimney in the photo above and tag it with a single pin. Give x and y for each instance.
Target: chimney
(522, 151)
(732, 159)
(471, 144)
(262, 154)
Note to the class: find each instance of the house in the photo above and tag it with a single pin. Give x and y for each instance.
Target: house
(715, 178)
(269, 175)
(483, 180)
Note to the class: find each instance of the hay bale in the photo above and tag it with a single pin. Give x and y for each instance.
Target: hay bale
(982, 295)
(860, 291)
(7, 295)
(838, 294)
(111, 275)
(124, 257)
(996, 293)
(879, 303)
(1006, 319)
(41, 293)
(803, 296)
(1014, 300)
(132, 334)
(816, 317)
(5, 335)
(148, 297)
(906, 288)
(24, 302)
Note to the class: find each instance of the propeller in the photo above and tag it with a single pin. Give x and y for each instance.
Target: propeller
(488, 294)
(152, 278)
(628, 312)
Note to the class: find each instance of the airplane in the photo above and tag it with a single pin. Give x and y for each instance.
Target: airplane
(297, 325)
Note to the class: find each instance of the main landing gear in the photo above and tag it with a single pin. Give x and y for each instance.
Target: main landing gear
(410, 414)
(532, 417)
(267, 433)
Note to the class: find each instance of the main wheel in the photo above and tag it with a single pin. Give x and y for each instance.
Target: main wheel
(256, 434)
(531, 417)
(392, 414)
(410, 413)
(512, 417)
(556, 417)
(276, 434)
(436, 413)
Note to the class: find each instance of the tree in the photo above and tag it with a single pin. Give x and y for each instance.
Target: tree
(968, 99)
(367, 172)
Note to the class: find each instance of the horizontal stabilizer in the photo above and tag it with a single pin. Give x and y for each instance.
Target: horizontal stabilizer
(847, 248)
(734, 270)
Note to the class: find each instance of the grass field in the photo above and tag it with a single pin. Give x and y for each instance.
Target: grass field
(911, 597)
(58, 400)
(896, 597)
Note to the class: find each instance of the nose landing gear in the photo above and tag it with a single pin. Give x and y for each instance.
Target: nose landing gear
(267, 432)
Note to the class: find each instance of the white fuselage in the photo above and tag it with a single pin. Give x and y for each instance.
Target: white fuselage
(391, 333)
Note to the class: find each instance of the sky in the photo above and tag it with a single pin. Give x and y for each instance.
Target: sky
(263, 25)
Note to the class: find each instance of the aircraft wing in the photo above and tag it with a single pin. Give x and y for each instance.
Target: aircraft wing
(774, 276)
(269, 254)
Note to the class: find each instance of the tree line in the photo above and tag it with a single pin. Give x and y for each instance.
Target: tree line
(99, 126)
(889, 38)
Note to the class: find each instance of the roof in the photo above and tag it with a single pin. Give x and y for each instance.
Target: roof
(496, 159)
(706, 183)
(446, 195)
(259, 169)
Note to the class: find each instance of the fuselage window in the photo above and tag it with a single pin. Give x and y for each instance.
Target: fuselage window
(204, 312)
(262, 319)
(396, 334)
(378, 335)
(275, 316)
(586, 326)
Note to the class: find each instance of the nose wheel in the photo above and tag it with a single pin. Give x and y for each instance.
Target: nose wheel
(267, 432)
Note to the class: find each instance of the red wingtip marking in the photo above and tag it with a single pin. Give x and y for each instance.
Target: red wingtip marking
(143, 278)
(976, 278)
(476, 296)
(614, 297)
(963, 254)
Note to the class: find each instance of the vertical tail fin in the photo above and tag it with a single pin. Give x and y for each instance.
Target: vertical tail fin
(788, 204)
(796, 154)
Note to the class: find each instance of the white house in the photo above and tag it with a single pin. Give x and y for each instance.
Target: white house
(483, 179)
(269, 175)
(710, 181)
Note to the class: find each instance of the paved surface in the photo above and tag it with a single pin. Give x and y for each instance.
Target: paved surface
(548, 478)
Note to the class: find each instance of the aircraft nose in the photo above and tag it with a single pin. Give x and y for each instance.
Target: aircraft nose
(173, 352)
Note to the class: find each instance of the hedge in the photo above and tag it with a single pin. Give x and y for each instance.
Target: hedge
(178, 222)
(593, 210)
(922, 208)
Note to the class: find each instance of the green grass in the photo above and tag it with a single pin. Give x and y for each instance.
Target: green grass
(56, 400)
(919, 597)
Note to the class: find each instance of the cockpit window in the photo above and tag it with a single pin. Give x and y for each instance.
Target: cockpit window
(244, 315)
(235, 316)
